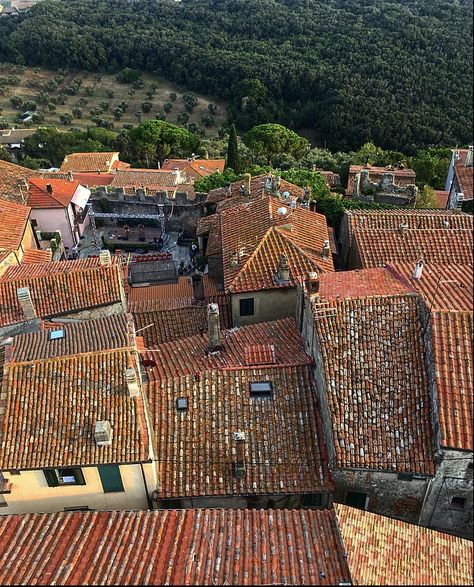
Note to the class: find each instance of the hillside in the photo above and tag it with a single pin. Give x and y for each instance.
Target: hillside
(398, 73)
(98, 93)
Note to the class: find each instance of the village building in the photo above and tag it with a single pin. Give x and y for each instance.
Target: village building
(383, 190)
(58, 290)
(73, 424)
(12, 139)
(401, 176)
(459, 181)
(108, 163)
(373, 238)
(59, 205)
(13, 184)
(192, 169)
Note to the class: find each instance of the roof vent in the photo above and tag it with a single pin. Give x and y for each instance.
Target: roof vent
(282, 211)
(24, 298)
(326, 250)
(132, 383)
(103, 433)
(418, 270)
(105, 258)
(403, 228)
(238, 467)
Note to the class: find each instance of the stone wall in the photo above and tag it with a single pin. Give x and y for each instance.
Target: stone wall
(384, 191)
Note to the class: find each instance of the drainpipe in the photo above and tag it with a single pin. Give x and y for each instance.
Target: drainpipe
(428, 487)
(146, 487)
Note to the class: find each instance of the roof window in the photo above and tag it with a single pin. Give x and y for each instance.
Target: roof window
(261, 389)
(182, 404)
(56, 334)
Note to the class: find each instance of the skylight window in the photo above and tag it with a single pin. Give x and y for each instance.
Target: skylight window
(182, 404)
(56, 334)
(261, 389)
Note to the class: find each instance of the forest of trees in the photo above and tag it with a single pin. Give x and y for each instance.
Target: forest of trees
(397, 73)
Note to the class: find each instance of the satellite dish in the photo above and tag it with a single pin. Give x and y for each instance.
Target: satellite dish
(282, 211)
(286, 194)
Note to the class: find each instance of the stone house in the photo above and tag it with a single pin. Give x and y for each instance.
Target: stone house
(93, 163)
(402, 176)
(383, 190)
(74, 422)
(459, 181)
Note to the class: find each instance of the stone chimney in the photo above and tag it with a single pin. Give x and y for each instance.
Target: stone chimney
(469, 157)
(105, 258)
(247, 178)
(283, 272)
(132, 382)
(24, 297)
(198, 286)
(326, 250)
(276, 184)
(49, 188)
(70, 176)
(312, 284)
(403, 228)
(214, 327)
(418, 270)
(103, 433)
(234, 260)
(239, 469)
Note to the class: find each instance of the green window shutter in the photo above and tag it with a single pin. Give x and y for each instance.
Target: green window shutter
(111, 478)
(51, 477)
(79, 476)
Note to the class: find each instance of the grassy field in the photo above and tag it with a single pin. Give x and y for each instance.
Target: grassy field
(95, 93)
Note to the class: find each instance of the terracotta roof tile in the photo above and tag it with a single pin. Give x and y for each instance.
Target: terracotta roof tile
(11, 176)
(60, 196)
(111, 332)
(464, 175)
(416, 219)
(292, 547)
(205, 223)
(28, 270)
(442, 286)
(442, 196)
(93, 179)
(453, 352)
(91, 162)
(194, 169)
(299, 233)
(51, 407)
(148, 178)
(13, 222)
(385, 551)
(376, 383)
(36, 256)
(59, 293)
(187, 356)
(257, 189)
(173, 291)
(195, 448)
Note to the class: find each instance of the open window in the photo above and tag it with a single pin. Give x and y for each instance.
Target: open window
(64, 476)
(247, 307)
(357, 499)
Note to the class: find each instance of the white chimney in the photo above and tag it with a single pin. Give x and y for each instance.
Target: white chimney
(326, 249)
(105, 258)
(468, 162)
(103, 433)
(213, 327)
(24, 297)
(312, 283)
(418, 270)
(132, 383)
(239, 468)
(403, 228)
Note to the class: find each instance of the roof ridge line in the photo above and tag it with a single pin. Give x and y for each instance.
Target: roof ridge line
(66, 356)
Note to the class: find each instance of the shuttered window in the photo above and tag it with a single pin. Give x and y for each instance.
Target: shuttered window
(111, 478)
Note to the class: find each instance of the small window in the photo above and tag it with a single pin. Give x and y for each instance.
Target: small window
(78, 508)
(34, 223)
(111, 479)
(56, 334)
(247, 307)
(261, 389)
(14, 472)
(357, 499)
(182, 404)
(311, 500)
(457, 503)
(405, 476)
(66, 476)
(171, 504)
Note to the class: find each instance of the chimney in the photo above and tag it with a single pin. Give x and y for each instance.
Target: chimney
(105, 258)
(418, 270)
(234, 260)
(276, 184)
(403, 228)
(70, 176)
(326, 250)
(103, 433)
(24, 297)
(132, 383)
(312, 284)
(214, 327)
(49, 188)
(283, 272)
(468, 162)
(198, 286)
(247, 178)
(239, 470)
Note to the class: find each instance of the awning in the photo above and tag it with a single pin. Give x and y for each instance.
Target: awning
(81, 196)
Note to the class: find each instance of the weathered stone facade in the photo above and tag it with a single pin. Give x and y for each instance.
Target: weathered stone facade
(384, 191)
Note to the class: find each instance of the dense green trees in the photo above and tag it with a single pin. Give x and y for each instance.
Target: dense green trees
(232, 159)
(386, 71)
(271, 140)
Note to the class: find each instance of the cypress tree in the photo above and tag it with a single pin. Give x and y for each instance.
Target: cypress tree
(232, 151)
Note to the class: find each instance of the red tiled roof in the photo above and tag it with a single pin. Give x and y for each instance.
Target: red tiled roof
(464, 175)
(361, 283)
(92, 162)
(239, 349)
(111, 332)
(376, 383)
(60, 196)
(11, 176)
(442, 286)
(175, 547)
(373, 170)
(385, 551)
(59, 293)
(442, 196)
(173, 291)
(148, 178)
(416, 219)
(82, 389)
(13, 222)
(194, 168)
(284, 453)
(257, 189)
(93, 179)
(45, 268)
(205, 223)
(260, 234)
(36, 256)
(453, 349)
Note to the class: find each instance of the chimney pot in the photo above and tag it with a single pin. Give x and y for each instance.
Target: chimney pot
(247, 178)
(418, 270)
(24, 298)
(403, 228)
(213, 327)
(49, 188)
(132, 383)
(312, 283)
(103, 433)
(326, 251)
(283, 272)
